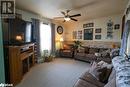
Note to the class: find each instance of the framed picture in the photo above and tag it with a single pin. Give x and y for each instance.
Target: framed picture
(98, 37)
(84, 25)
(88, 25)
(79, 34)
(117, 26)
(91, 24)
(98, 30)
(59, 29)
(88, 34)
(74, 34)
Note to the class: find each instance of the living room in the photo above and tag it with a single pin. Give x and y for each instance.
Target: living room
(64, 43)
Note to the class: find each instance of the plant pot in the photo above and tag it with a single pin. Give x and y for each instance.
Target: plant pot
(49, 59)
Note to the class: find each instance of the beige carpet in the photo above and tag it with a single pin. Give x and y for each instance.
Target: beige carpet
(62, 72)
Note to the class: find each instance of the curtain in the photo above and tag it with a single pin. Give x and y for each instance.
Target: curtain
(53, 37)
(124, 38)
(36, 37)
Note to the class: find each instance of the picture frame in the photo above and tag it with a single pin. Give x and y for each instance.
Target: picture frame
(74, 34)
(117, 26)
(79, 36)
(98, 30)
(98, 37)
(88, 25)
(88, 34)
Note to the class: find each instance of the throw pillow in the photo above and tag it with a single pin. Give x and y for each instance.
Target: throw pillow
(104, 75)
(114, 52)
(101, 71)
(105, 53)
(105, 71)
(94, 70)
(104, 64)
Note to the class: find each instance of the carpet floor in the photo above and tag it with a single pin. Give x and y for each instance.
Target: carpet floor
(62, 72)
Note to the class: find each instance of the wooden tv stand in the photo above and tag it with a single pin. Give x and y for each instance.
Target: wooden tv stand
(21, 59)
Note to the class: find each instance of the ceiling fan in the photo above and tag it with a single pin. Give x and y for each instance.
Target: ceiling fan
(68, 17)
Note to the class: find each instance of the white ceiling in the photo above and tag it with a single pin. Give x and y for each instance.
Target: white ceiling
(87, 8)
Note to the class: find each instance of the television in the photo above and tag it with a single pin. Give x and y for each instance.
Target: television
(19, 32)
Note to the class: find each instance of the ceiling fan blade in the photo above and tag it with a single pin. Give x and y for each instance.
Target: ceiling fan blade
(73, 19)
(63, 12)
(75, 15)
(67, 11)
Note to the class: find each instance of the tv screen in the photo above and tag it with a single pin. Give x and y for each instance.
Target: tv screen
(20, 32)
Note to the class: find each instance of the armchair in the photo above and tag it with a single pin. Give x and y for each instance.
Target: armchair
(67, 51)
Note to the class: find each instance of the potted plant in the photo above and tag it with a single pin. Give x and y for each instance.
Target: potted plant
(48, 57)
(76, 45)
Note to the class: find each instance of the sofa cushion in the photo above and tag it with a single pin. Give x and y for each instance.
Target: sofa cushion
(81, 50)
(93, 50)
(91, 79)
(111, 83)
(86, 50)
(83, 83)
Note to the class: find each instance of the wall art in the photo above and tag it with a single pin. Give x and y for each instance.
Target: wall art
(117, 26)
(98, 37)
(88, 34)
(98, 30)
(80, 34)
(109, 30)
(74, 34)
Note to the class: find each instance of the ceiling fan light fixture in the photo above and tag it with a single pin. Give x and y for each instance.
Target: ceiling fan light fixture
(67, 19)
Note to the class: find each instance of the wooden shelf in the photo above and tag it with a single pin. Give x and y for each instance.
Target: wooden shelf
(21, 59)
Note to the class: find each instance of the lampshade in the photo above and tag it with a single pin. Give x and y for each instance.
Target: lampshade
(19, 38)
(61, 39)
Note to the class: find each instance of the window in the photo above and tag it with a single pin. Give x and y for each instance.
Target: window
(45, 37)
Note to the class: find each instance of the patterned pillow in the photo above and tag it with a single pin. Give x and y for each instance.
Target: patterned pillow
(105, 53)
(114, 52)
(100, 71)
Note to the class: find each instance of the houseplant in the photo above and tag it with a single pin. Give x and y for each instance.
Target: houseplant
(48, 57)
(76, 45)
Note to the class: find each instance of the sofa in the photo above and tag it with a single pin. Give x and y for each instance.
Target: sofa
(88, 54)
(88, 79)
(116, 74)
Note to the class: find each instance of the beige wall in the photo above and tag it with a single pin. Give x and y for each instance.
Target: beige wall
(98, 23)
